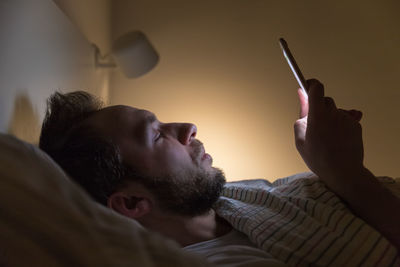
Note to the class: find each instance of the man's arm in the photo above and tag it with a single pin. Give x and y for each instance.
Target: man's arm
(330, 142)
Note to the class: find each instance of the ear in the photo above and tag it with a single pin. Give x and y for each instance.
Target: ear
(129, 205)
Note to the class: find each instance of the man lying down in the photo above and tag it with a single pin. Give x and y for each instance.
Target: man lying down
(160, 175)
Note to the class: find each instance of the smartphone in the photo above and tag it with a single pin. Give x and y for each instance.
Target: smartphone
(293, 66)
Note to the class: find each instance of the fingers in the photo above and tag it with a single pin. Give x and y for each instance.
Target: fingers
(315, 88)
(315, 98)
(329, 103)
(315, 94)
(317, 105)
(355, 114)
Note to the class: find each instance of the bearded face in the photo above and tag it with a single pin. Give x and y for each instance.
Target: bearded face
(171, 162)
(188, 193)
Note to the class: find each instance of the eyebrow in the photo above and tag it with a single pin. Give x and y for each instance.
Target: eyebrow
(151, 118)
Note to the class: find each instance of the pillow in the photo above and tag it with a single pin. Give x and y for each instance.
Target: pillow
(47, 220)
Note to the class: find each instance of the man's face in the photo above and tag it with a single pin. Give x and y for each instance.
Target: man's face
(174, 162)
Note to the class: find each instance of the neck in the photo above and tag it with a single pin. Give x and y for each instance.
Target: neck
(188, 230)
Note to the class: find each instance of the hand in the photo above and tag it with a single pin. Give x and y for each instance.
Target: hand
(328, 139)
(330, 142)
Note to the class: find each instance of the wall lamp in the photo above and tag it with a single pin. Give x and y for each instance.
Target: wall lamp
(132, 52)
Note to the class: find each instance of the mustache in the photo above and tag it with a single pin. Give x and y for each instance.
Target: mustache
(198, 149)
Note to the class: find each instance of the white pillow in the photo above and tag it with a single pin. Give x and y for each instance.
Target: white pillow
(47, 220)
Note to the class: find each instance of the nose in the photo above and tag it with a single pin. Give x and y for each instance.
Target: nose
(186, 133)
(183, 132)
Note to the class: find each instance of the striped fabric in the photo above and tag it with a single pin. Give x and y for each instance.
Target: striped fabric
(298, 221)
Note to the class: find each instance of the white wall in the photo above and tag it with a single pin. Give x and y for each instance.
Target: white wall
(92, 18)
(41, 51)
(221, 68)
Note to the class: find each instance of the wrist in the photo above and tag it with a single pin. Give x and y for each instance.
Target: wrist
(337, 173)
(345, 181)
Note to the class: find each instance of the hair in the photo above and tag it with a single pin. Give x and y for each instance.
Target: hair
(88, 158)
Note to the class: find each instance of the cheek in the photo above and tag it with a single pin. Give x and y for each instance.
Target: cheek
(172, 159)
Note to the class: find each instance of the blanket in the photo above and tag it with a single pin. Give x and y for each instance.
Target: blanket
(301, 223)
(47, 220)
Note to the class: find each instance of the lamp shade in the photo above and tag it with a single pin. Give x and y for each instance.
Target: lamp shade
(134, 54)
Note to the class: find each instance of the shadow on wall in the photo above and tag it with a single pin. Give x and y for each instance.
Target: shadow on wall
(25, 122)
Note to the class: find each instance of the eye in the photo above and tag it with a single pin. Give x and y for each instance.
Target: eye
(158, 136)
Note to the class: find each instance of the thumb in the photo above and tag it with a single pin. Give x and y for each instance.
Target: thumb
(303, 103)
(300, 128)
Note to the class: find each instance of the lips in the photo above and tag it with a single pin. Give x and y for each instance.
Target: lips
(206, 156)
(199, 152)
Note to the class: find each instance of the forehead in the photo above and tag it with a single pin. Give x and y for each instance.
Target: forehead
(121, 111)
(120, 119)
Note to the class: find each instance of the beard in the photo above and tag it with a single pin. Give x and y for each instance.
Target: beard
(189, 193)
